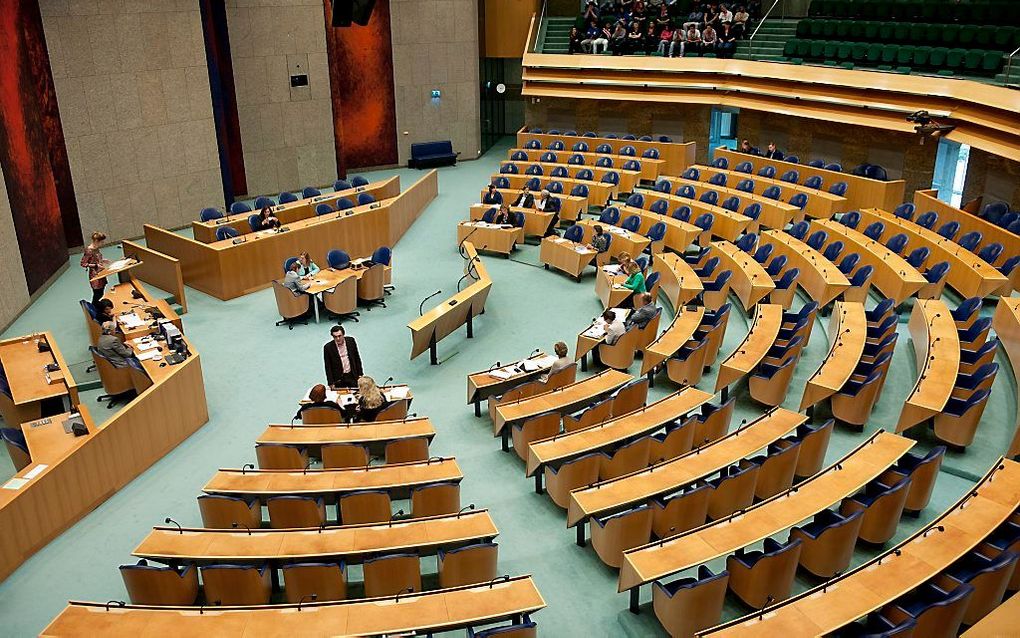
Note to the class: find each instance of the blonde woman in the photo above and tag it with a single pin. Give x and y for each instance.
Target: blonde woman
(307, 267)
(370, 399)
(93, 263)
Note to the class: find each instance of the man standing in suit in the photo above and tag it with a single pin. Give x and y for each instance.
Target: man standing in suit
(343, 363)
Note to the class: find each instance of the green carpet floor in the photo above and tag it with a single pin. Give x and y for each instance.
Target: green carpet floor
(255, 373)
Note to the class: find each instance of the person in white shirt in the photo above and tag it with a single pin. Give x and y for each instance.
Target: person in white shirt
(614, 327)
(562, 362)
(725, 15)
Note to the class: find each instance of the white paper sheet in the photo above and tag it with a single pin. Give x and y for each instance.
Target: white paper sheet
(15, 484)
(36, 471)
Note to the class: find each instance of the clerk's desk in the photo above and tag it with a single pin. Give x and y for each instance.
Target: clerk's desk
(29, 387)
(132, 296)
(301, 209)
(417, 613)
(227, 270)
(77, 475)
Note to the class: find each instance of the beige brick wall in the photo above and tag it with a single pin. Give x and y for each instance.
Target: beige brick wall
(13, 287)
(133, 93)
(435, 46)
(286, 134)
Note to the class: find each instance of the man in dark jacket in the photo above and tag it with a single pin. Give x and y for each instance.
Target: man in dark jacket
(773, 152)
(343, 363)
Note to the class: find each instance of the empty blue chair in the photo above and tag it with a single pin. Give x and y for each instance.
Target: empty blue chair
(660, 207)
(937, 273)
(610, 216)
(642, 263)
(559, 171)
(744, 167)
(665, 138)
(578, 160)
(746, 185)
(239, 207)
(879, 311)
(800, 200)
(575, 233)
(705, 221)
(254, 222)
(158, 585)
(310, 191)
(949, 230)
(799, 230)
(358, 180)
(971, 240)
(663, 186)
(772, 192)
(343, 203)
(981, 379)
(1007, 220)
(719, 179)
(874, 231)
(767, 171)
(790, 176)
(851, 219)
(508, 169)
(526, 627)
(974, 336)
(286, 197)
(918, 257)
(886, 324)
(707, 591)
(746, 242)
(209, 214)
(338, 259)
(382, 255)
(930, 596)
(817, 239)
(262, 202)
(814, 182)
(556, 145)
(753, 210)
(695, 258)
(692, 173)
(585, 174)
(570, 132)
(833, 250)
(637, 200)
(731, 203)
(628, 151)
(709, 197)
(365, 198)
(656, 233)
(580, 147)
(533, 145)
(534, 184)
(719, 283)
(612, 177)
(686, 191)
(793, 159)
(226, 232)
(928, 220)
(580, 190)
(632, 165)
(991, 252)
(849, 263)
(547, 156)
(776, 265)
(838, 189)
(590, 134)
(763, 253)
(323, 209)
(966, 310)
(993, 211)
(502, 182)
(834, 167)
(710, 265)
(683, 213)
(521, 156)
(816, 163)
(652, 153)
(604, 149)
(789, 279)
(632, 223)
(555, 188)
(905, 211)
(721, 162)
(861, 277)
(897, 243)
(629, 138)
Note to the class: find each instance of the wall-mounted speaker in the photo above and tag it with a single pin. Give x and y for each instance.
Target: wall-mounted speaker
(346, 12)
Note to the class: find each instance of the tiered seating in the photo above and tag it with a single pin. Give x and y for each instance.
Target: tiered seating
(857, 395)
(949, 11)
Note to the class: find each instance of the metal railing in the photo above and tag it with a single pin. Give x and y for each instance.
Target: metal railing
(1009, 66)
(540, 29)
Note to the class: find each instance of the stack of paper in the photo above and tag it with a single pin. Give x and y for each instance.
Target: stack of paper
(148, 354)
(131, 321)
(500, 373)
(396, 392)
(120, 263)
(546, 361)
(529, 365)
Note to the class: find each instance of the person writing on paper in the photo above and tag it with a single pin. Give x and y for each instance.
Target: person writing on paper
(306, 267)
(268, 219)
(93, 263)
(112, 348)
(343, 362)
(293, 280)
(525, 199)
(562, 361)
(614, 327)
(635, 281)
(492, 196)
(503, 216)
(317, 399)
(644, 314)
(599, 241)
(104, 310)
(370, 400)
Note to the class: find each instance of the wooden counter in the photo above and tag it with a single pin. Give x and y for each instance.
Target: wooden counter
(750, 281)
(761, 336)
(821, 203)
(926, 200)
(675, 155)
(315, 436)
(726, 223)
(775, 213)
(536, 223)
(490, 238)
(482, 385)
(848, 330)
(563, 400)
(680, 330)
(677, 280)
(679, 234)
(565, 255)
(24, 366)
(819, 277)
(628, 179)
(1006, 323)
(937, 354)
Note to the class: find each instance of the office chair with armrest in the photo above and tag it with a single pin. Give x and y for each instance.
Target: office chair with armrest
(390, 574)
(157, 585)
(220, 511)
(758, 577)
(340, 455)
(435, 499)
(467, 565)
(733, 489)
(293, 307)
(612, 535)
(281, 456)
(407, 450)
(828, 542)
(118, 383)
(570, 475)
(364, 506)
(882, 505)
(689, 605)
(938, 613)
(341, 302)
(234, 585)
(287, 512)
(326, 581)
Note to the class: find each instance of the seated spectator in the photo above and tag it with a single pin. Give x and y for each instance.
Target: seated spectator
(591, 10)
(104, 310)
(293, 281)
(591, 33)
(709, 40)
(725, 15)
(692, 41)
(614, 327)
(666, 42)
(711, 17)
(676, 45)
(546, 202)
(619, 39)
(663, 21)
(503, 216)
(740, 19)
(727, 41)
(370, 400)
(773, 152)
(602, 38)
(492, 196)
(696, 17)
(640, 14)
(644, 313)
(651, 41)
(574, 45)
(317, 399)
(525, 199)
(634, 38)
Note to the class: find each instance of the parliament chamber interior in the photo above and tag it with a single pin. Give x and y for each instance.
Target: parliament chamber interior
(506, 318)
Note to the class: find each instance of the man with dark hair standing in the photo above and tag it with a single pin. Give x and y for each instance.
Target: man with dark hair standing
(343, 362)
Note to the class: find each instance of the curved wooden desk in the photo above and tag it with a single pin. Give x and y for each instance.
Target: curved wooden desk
(727, 224)
(571, 206)
(440, 322)
(332, 483)
(774, 213)
(861, 192)
(565, 255)
(423, 612)
(926, 200)
(937, 352)
(350, 543)
(968, 274)
(768, 318)
(500, 239)
(868, 587)
(679, 332)
(674, 155)
(1001, 622)
(598, 192)
(606, 497)
(29, 383)
(648, 419)
(536, 223)
(819, 277)
(677, 280)
(563, 400)
(848, 330)
(893, 276)
(609, 288)
(315, 436)
(623, 240)
(205, 232)
(496, 380)
(821, 203)
(1006, 323)
(750, 282)
(650, 168)
(679, 234)
(628, 179)
(863, 464)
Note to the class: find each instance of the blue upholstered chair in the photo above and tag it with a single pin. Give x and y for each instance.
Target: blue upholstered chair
(239, 207)
(338, 259)
(209, 214)
(226, 232)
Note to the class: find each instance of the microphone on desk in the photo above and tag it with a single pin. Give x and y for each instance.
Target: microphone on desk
(422, 304)
(405, 590)
(460, 246)
(385, 382)
(170, 521)
(469, 506)
(312, 597)
(494, 366)
(399, 513)
(235, 524)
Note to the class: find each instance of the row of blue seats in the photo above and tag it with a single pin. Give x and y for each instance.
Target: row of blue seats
(769, 172)
(339, 259)
(711, 197)
(612, 177)
(286, 197)
(535, 184)
(255, 219)
(608, 136)
(998, 213)
(582, 147)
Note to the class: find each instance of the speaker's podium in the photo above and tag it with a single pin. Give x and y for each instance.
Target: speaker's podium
(346, 12)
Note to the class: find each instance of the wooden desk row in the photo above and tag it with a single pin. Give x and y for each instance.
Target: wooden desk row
(315, 436)
(774, 213)
(440, 322)
(848, 331)
(227, 270)
(565, 255)
(536, 223)
(937, 354)
(571, 206)
(599, 193)
(821, 203)
(838, 602)
(500, 239)
(768, 319)
(1006, 323)
(675, 156)
(679, 234)
(440, 610)
(627, 179)
(926, 200)
(681, 330)
(819, 277)
(750, 281)
(498, 379)
(726, 224)
(650, 168)
(29, 383)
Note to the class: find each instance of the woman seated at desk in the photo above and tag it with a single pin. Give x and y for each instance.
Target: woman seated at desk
(503, 216)
(317, 399)
(104, 311)
(370, 400)
(268, 219)
(635, 282)
(306, 267)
